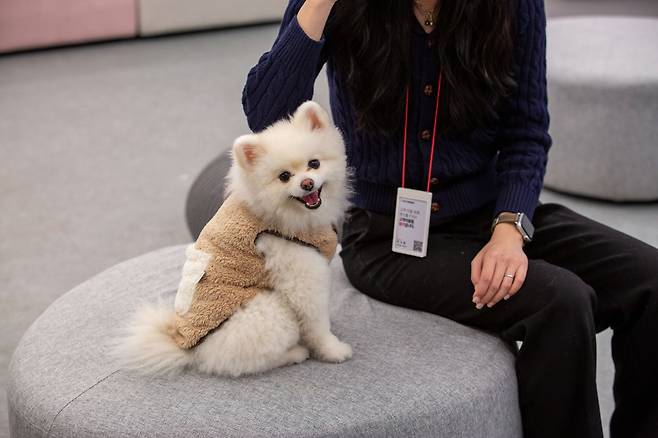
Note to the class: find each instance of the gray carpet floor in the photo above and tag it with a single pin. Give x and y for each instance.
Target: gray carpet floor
(99, 145)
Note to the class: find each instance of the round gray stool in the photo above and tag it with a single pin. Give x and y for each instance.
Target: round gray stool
(603, 101)
(412, 374)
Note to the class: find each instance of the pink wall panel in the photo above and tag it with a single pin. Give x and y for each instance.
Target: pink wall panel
(39, 23)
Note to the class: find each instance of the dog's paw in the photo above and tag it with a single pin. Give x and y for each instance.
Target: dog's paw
(297, 354)
(333, 350)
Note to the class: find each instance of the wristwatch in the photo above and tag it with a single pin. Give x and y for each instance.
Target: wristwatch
(520, 220)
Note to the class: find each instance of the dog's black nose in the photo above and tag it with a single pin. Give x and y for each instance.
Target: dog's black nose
(307, 184)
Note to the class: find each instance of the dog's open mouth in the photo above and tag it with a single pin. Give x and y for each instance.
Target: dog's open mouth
(312, 200)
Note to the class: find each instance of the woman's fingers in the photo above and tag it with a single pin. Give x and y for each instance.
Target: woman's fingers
(486, 275)
(476, 268)
(489, 271)
(506, 286)
(496, 281)
(519, 279)
(512, 285)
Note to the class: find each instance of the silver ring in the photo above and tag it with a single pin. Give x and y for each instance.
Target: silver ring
(509, 275)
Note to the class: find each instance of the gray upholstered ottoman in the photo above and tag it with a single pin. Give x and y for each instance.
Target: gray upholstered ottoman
(603, 100)
(413, 374)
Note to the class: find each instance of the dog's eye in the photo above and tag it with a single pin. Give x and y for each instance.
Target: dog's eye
(314, 164)
(284, 176)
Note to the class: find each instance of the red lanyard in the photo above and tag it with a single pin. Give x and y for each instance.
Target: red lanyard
(406, 122)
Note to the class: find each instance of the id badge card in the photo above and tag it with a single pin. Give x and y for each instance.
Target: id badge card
(412, 221)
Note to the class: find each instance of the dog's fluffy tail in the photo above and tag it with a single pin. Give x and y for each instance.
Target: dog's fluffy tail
(147, 345)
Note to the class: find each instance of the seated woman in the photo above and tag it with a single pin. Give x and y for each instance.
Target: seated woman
(449, 98)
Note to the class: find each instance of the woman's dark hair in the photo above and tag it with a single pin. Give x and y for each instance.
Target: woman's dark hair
(370, 44)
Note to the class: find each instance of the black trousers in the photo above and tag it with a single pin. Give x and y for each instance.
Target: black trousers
(582, 278)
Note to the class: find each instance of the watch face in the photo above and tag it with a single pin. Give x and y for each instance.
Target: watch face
(527, 225)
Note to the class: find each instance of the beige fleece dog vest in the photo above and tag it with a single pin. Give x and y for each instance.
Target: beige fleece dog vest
(224, 269)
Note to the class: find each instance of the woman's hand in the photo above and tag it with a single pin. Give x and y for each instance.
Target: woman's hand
(503, 254)
(312, 17)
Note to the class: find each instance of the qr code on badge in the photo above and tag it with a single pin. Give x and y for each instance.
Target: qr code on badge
(418, 246)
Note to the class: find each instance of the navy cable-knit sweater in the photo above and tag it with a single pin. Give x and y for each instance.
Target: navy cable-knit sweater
(504, 161)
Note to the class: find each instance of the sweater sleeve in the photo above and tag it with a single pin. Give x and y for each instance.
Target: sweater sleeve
(523, 140)
(284, 77)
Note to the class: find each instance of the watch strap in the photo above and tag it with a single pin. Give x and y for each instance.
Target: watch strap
(513, 218)
(505, 216)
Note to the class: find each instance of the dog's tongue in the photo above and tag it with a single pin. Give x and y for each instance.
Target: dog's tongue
(312, 198)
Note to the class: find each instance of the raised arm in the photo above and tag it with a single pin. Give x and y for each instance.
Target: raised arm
(284, 77)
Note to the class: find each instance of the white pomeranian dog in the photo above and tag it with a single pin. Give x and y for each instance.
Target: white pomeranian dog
(292, 177)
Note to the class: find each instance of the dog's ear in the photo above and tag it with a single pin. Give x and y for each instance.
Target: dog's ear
(246, 149)
(312, 116)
